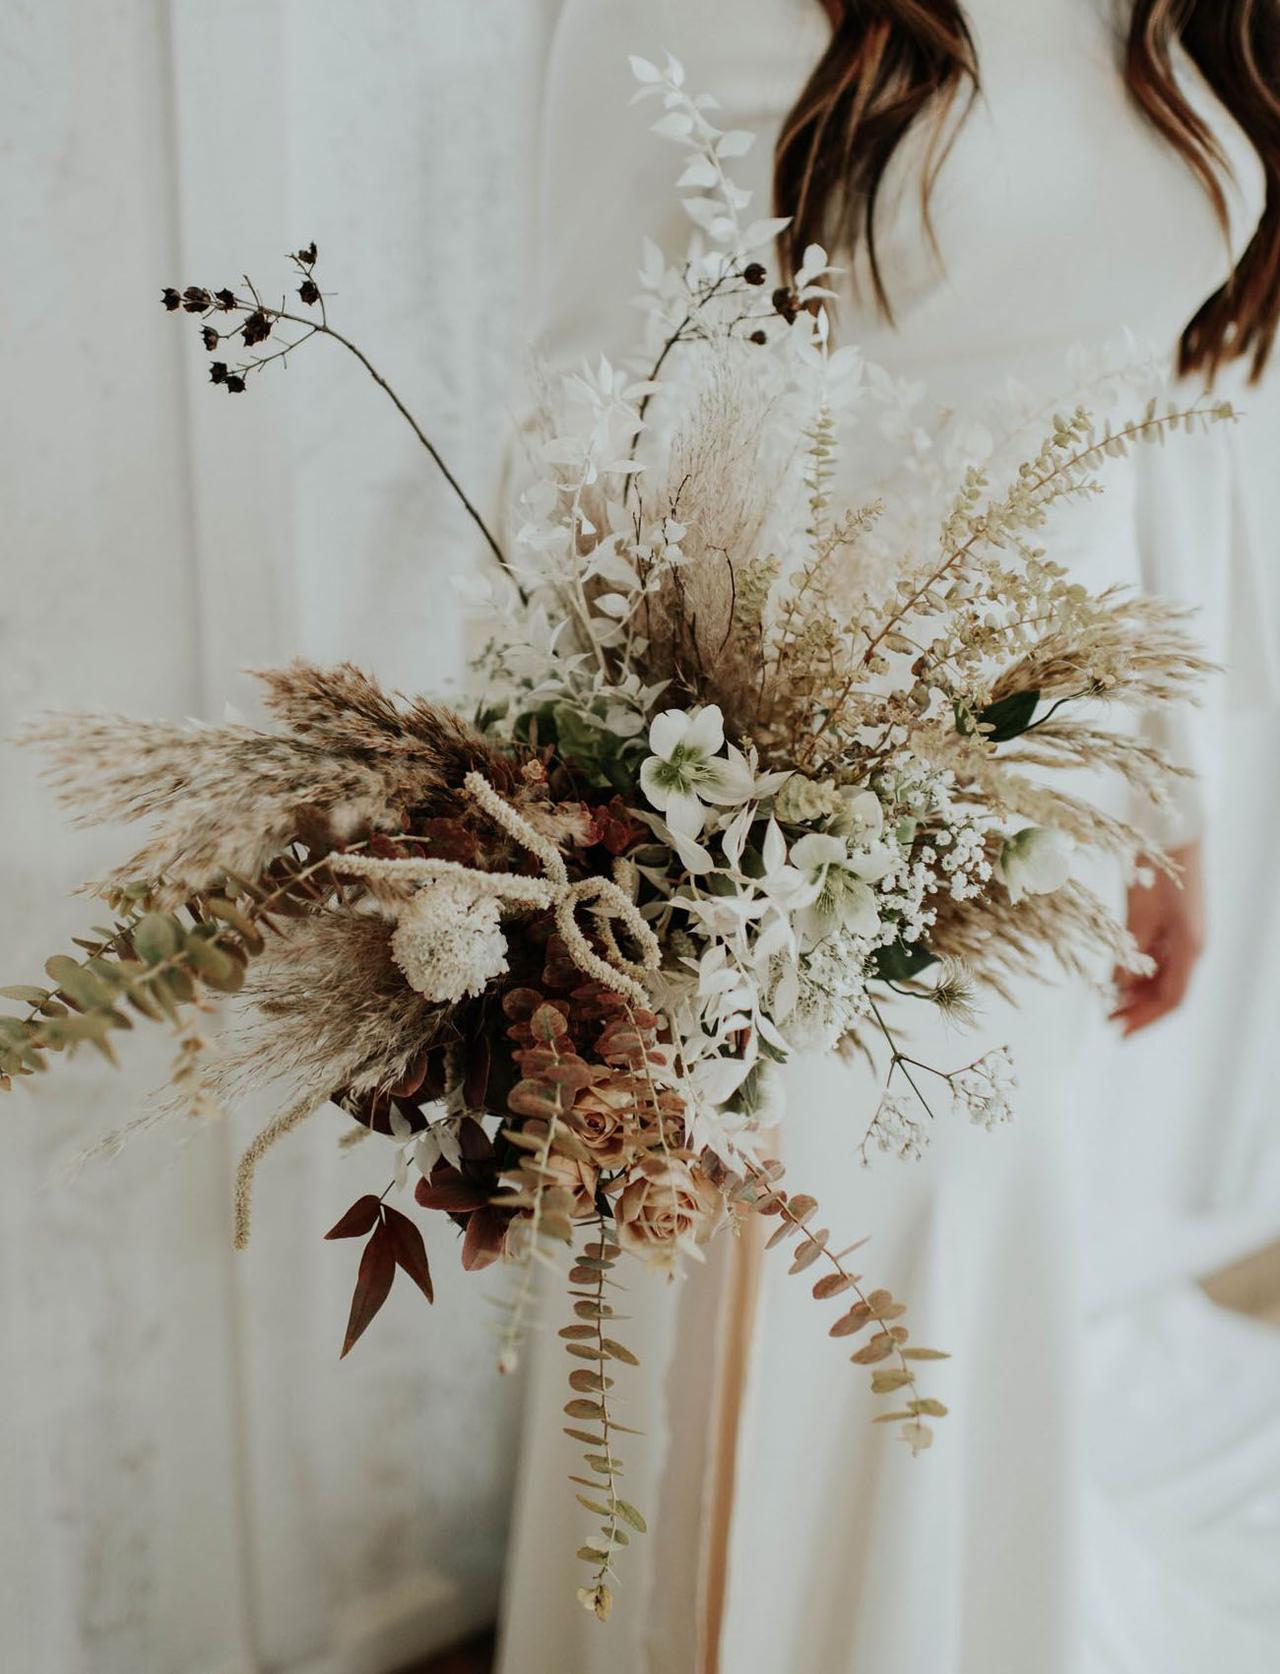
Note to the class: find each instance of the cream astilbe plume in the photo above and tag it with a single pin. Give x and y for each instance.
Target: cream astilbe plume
(719, 482)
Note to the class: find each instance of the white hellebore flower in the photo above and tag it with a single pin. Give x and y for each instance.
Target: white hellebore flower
(861, 820)
(842, 899)
(861, 815)
(682, 773)
(1035, 862)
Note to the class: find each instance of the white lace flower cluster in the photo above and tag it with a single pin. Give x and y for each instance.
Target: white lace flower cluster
(983, 1092)
(448, 940)
(831, 998)
(952, 860)
(900, 1128)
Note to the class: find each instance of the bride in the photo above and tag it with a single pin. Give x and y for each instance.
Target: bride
(1003, 180)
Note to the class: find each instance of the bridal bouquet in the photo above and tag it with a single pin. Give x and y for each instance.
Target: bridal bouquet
(752, 772)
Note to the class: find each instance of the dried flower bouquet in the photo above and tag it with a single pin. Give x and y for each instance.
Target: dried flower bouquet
(752, 769)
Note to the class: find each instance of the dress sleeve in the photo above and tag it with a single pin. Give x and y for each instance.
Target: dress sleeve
(606, 181)
(1197, 544)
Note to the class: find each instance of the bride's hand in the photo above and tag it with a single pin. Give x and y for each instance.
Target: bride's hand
(1167, 919)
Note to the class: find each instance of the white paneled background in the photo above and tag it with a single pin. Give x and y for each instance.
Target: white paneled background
(189, 1483)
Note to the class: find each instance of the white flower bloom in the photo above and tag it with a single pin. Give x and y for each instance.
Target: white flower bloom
(681, 773)
(842, 899)
(449, 941)
(861, 816)
(1035, 862)
(687, 771)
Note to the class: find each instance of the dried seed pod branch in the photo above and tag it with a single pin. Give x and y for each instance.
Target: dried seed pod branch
(260, 319)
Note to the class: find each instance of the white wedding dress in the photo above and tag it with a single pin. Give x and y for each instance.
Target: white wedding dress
(787, 1533)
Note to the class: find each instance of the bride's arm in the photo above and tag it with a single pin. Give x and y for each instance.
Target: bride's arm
(1186, 535)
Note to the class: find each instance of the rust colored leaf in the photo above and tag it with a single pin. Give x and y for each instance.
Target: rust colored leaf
(520, 1003)
(373, 1285)
(883, 1383)
(547, 1024)
(358, 1220)
(831, 1284)
(409, 1250)
(589, 1383)
(584, 1409)
(880, 1347)
(449, 839)
(475, 1075)
(534, 1098)
(482, 1244)
(619, 1351)
(411, 1080)
(450, 1191)
(586, 1436)
(858, 1316)
(571, 1073)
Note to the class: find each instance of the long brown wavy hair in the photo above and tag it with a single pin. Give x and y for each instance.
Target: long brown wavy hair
(891, 61)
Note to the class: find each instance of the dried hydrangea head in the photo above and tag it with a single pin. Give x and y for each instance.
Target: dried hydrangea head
(449, 941)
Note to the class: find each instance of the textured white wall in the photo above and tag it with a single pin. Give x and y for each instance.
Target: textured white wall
(189, 1481)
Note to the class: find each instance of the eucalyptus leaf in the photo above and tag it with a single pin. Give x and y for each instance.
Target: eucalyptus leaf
(157, 936)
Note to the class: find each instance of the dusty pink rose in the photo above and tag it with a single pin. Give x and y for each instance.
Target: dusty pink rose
(604, 1119)
(666, 1204)
(579, 1179)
